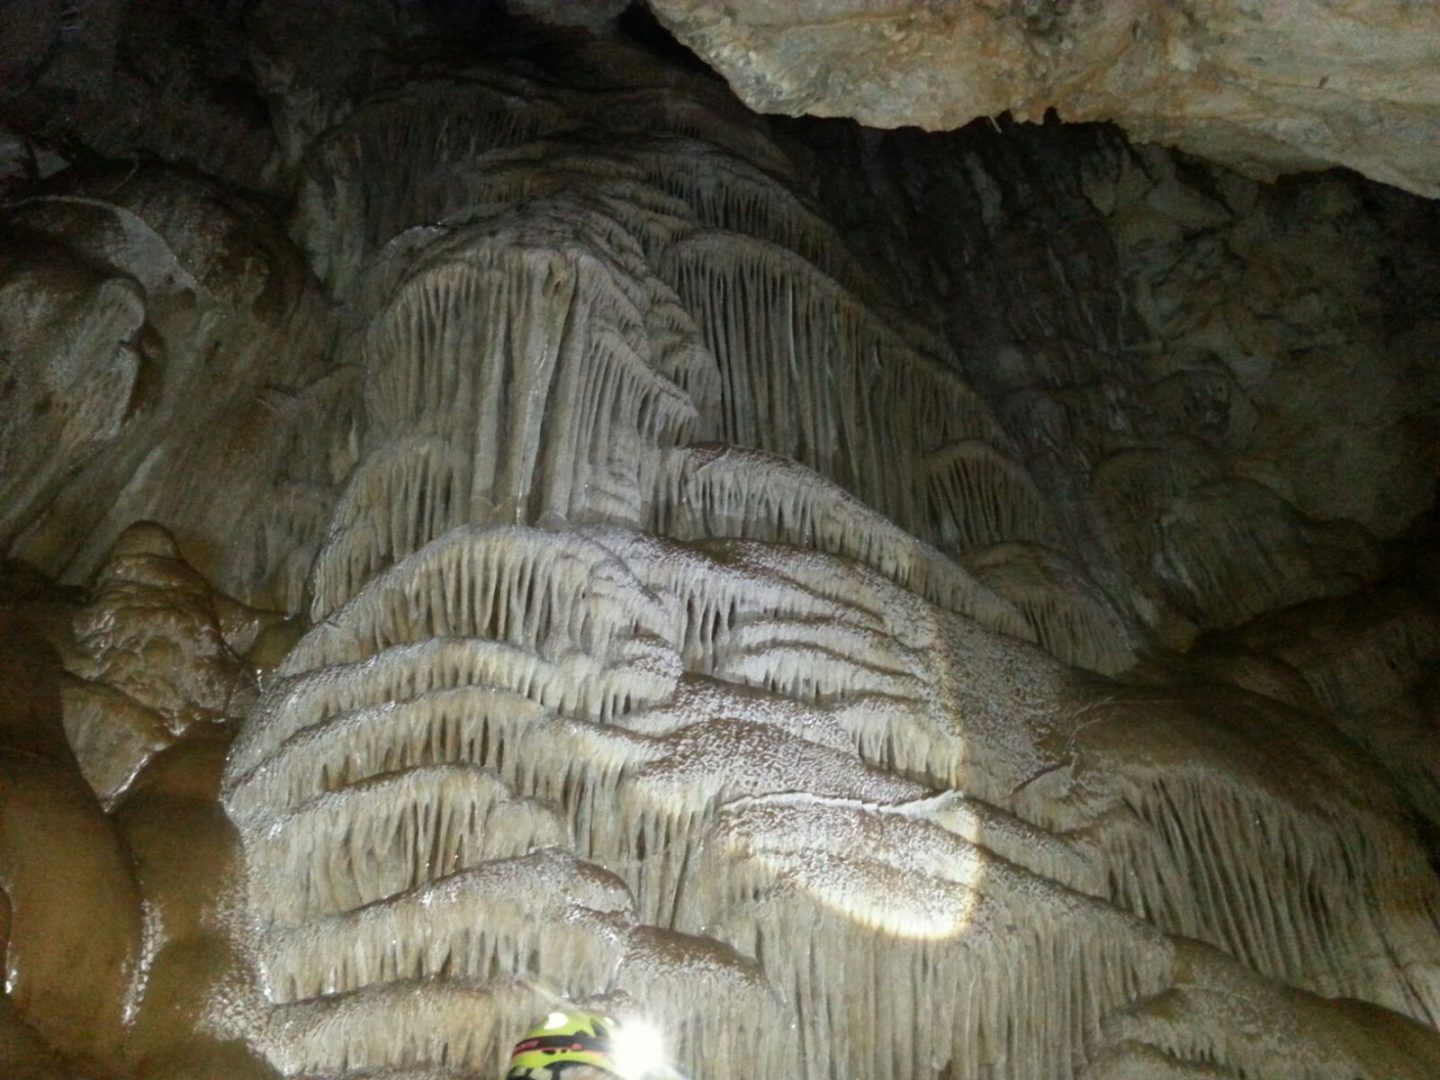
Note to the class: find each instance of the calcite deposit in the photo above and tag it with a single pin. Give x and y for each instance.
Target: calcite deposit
(522, 530)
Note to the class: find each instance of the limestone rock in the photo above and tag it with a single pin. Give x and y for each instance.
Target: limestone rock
(111, 733)
(690, 521)
(1266, 88)
(152, 659)
(136, 80)
(23, 1052)
(74, 922)
(1166, 348)
(1367, 662)
(196, 982)
(115, 288)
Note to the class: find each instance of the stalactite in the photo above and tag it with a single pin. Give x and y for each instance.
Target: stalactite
(809, 373)
(977, 497)
(1069, 614)
(439, 727)
(720, 1012)
(1007, 967)
(508, 291)
(385, 835)
(1212, 837)
(574, 685)
(402, 1025)
(679, 356)
(668, 801)
(716, 491)
(1364, 661)
(592, 712)
(400, 496)
(548, 593)
(1209, 1026)
(727, 193)
(533, 912)
(413, 138)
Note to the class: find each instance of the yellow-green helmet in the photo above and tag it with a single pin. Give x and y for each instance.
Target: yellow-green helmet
(565, 1041)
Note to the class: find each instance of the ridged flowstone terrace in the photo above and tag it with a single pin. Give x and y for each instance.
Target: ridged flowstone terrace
(673, 630)
(644, 671)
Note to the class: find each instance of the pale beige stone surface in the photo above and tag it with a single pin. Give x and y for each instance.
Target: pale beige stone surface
(694, 535)
(1264, 87)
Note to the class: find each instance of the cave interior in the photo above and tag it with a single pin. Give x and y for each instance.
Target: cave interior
(531, 506)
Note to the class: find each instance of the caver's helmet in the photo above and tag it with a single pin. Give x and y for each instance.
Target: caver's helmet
(571, 1045)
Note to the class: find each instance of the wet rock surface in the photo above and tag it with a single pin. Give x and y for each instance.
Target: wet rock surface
(549, 534)
(72, 905)
(152, 659)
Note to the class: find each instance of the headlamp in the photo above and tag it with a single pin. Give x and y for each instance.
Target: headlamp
(638, 1050)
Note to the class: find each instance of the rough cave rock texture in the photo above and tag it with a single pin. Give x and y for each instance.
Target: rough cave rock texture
(1265, 87)
(517, 527)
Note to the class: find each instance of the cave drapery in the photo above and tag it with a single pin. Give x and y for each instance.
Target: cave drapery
(491, 522)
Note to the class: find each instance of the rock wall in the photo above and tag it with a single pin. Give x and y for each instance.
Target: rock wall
(1201, 359)
(833, 596)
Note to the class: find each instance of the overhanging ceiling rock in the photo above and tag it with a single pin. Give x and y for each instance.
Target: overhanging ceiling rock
(1263, 87)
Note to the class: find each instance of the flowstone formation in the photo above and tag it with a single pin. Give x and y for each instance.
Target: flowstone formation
(621, 593)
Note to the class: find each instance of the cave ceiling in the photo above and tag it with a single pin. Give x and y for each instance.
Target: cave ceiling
(1265, 88)
(492, 521)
